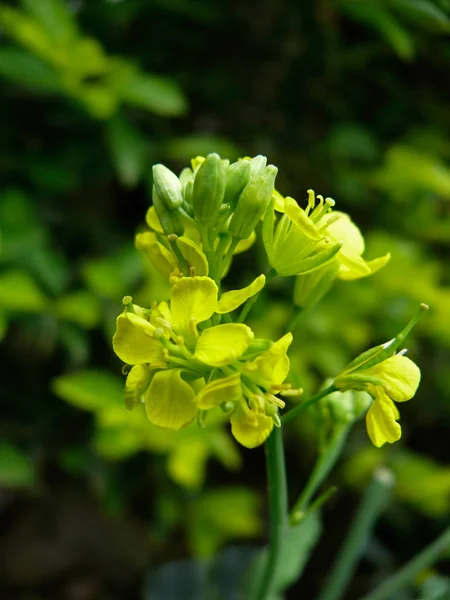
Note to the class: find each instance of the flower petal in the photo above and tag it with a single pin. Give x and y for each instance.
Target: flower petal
(160, 257)
(342, 229)
(134, 343)
(245, 244)
(250, 428)
(194, 255)
(225, 389)
(381, 421)
(193, 299)
(400, 377)
(223, 344)
(153, 221)
(273, 364)
(231, 300)
(169, 401)
(136, 383)
(299, 217)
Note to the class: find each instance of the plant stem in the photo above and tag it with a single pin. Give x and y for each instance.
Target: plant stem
(296, 314)
(251, 301)
(278, 503)
(406, 574)
(322, 468)
(291, 414)
(372, 505)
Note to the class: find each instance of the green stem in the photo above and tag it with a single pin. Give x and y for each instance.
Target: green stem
(322, 468)
(229, 255)
(296, 314)
(287, 417)
(407, 574)
(278, 503)
(251, 301)
(372, 505)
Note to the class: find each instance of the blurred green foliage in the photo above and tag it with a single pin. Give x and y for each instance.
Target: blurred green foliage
(346, 97)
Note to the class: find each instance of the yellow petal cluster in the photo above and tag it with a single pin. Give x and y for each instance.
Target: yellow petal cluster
(184, 365)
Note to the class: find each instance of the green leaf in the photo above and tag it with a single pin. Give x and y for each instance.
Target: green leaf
(16, 469)
(114, 276)
(379, 18)
(425, 14)
(128, 149)
(157, 94)
(298, 545)
(117, 443)
(19, 293)
(91, 390)
(54, 17)
(181, 579)
(221, 515)
(79, 307)
(27, 70)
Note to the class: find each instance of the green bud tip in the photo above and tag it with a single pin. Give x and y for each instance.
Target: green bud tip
(127, 300)
(227, 407)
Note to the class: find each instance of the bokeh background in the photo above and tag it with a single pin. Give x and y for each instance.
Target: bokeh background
(349, 97)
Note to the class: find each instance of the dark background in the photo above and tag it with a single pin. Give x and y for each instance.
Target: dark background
(349, 98)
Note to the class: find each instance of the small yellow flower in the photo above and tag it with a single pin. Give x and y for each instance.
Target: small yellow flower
(388, 378)
(304, 240)
(394, 379)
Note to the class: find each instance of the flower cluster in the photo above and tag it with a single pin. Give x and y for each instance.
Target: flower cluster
(183, 366)
(193, 353)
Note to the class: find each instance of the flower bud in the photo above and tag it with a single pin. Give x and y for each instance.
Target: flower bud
(209, 189)
(312, 286)
(238, 175)
(168, 187)
(257, 164)
(170, 219)
(253, 203)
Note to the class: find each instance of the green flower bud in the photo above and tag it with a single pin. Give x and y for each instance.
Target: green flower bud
(257, 165)
(312, 286)
(168, 187)
(189, 191)
(209, 189)
(170, 219)
(253, 203)
(238, 175)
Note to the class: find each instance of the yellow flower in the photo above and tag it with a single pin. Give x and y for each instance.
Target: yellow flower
(304, 240)
(174, 350)
(297, 243)
(340, 228)
(394, 379)
(388, 378)
(400, 378)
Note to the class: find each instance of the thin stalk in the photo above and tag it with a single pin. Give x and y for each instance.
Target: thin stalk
(251, 301)
(320, 472)
(349, 555)
(228, 255)
(407, 574)
(296, 314)
(291, 414)
(278, 503)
